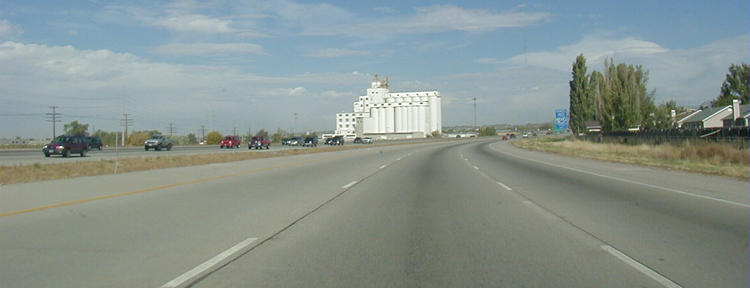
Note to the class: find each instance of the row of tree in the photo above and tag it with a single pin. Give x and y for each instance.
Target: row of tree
(619, 100)
(137, 138)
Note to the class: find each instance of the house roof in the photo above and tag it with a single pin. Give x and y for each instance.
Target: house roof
(744, 112)
(705, 114)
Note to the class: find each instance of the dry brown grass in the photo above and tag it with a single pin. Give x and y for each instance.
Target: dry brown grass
(41, 172)
(714, 158)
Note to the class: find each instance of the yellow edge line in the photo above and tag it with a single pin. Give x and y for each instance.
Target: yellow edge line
(155, 188)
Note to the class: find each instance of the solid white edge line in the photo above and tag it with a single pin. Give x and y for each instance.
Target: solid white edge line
(201, 270)
(630, 181)
(347, 186)
(640, 267)
(381, 167)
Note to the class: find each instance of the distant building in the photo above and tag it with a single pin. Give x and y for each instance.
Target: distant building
(387, 115)
(23, 142)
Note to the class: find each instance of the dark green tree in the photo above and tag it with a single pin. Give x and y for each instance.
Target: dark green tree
(662, 116)
(75, 128)
(192, 139)
(108, 138)
(581, 100)
(487, 131)
(735, 86)
(262, 132)
(625, 102)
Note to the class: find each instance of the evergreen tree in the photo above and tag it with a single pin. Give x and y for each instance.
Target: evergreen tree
(735, 86)
(581, 102)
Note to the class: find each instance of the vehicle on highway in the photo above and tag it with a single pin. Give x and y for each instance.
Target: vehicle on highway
(230, 141)
(310, 142)
(158, 142)
(366, 140)
(295, 141)
(285, 141)
(335, 140)
(94, 142)
(65, 145)
(505, 137)
(259, 142)
(357, 140)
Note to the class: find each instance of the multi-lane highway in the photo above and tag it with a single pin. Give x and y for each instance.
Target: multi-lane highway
(475, 213)
(32, 156)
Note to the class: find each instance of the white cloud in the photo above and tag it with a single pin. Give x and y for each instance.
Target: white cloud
(595, 50)
(440, 18)
(6, 28)
(689, 76)
(209, 49)
(335, 52)
(296, 91)
(195, 23)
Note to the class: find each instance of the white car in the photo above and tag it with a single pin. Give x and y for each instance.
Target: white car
(366, 140)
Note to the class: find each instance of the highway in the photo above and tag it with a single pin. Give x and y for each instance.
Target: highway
(468, 213)
(32, 156)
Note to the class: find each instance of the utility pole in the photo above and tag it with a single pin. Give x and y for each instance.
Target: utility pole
(125, 122)
(203, 132)
(171, 129)
(54, 119)
(295, 123)
(234, 130)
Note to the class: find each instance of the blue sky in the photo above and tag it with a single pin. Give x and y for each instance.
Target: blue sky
(248, 65)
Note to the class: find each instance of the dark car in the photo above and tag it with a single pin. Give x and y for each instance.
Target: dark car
(65, 145)
(335, 140)
(357, 140)
(310, 142)
(95, 143)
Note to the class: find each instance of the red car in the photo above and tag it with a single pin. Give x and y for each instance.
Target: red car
(231, 141)
(259, 142)
(65, 145)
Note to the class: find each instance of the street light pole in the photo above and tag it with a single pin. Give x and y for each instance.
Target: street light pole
(475, 115)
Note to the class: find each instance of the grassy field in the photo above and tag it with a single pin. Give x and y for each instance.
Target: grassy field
(714, 159)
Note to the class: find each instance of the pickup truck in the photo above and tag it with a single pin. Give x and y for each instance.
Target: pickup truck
(259, 142)
(231, 141)
(158, 142)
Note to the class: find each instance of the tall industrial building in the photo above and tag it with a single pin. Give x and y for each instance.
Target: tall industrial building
(385, 115)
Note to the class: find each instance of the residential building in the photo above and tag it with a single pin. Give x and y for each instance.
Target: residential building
(707, 118)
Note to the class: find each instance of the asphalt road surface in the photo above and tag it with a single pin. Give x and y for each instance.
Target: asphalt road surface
(471, 213)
